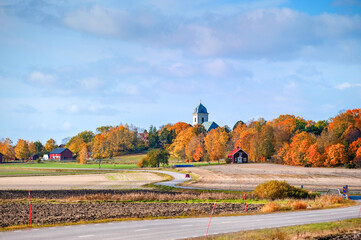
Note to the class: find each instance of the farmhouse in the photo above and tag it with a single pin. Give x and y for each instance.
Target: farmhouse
(1, 157)
(61, 154)
(200, 116)
(34, 157)
(238, 156)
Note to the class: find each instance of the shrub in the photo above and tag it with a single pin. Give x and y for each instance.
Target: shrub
(270, 207)
(298, 205)
(143, 162)
(279, 190)
(326, 201)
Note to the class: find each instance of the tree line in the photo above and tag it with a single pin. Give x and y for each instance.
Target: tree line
(287, 139)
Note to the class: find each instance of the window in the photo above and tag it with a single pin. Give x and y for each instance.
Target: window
(202, 120)
(195, 119)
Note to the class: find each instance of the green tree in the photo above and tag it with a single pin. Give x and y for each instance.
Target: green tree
(87, 136)
(38, 147)
(103, 129)
(153, 138)
(155, 157)
(266, 146)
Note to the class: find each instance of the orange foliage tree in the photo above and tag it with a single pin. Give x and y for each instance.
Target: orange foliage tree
(215, 143)
(7, 149)
(335, 155)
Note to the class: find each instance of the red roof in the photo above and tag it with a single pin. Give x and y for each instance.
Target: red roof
(230, 155)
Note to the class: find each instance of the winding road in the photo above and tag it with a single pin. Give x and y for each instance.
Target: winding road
(180, 228)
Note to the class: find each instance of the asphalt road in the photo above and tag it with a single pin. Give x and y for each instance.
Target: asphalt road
(181, 228)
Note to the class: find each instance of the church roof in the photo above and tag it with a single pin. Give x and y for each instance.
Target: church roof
(210, 125)
(200, 109)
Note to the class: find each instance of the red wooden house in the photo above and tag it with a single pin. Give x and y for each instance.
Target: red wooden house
(61, 154)
(238, 156)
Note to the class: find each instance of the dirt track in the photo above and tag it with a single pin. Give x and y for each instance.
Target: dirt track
(248, 176)
(120, 180)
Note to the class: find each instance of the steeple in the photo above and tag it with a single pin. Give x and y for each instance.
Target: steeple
(200, 114)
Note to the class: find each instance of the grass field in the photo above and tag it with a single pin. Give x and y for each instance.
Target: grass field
(308, 231)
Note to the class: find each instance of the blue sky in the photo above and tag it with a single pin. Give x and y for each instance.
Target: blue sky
(69, 66)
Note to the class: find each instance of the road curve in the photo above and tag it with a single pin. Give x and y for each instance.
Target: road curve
(181, 228)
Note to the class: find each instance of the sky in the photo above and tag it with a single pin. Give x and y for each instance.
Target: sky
(69, 66)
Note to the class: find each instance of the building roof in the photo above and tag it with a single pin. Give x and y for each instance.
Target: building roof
(200, 109)
(230, 155)
(58, 150)
(210, 125)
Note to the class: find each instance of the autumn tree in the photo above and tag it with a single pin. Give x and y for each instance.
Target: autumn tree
(50, 145)
(195, 148)
(75, 144)
(314, 157)
(215, 143)
(83, 155)
(7, 149)
(335, 155)
(32, 148)
(22, 150)
(298, 148)
(266, 142)
(177, 148)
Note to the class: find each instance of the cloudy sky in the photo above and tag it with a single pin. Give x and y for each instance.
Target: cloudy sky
(69, 66)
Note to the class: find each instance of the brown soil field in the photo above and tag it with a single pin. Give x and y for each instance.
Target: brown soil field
(119, 180)
(355, 235)
(48, 213)
(248, 176)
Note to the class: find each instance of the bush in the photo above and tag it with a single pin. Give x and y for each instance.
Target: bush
(143, 162)
(295, 205)
(279, 190)
(270, 207)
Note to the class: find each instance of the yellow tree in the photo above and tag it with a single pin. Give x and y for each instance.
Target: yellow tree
(32, 148)
(215, 143)
(177, 148)
(75, 144)
(22, 149)
(50, 145)
(7, 149)
(83, 155)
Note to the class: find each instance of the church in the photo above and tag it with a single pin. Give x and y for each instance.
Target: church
(200, 116)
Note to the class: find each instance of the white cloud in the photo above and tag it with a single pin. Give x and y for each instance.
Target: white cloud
(73, 108)
(216, 68)
(96, 20)
(90, 83)
(343, 86)
(66, 125)
(41, 78)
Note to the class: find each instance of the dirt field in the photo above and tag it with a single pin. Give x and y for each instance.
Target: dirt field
(62, 206)
(248, 176)
(119, 180)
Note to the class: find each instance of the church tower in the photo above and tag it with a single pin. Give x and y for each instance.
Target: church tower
(200, 115)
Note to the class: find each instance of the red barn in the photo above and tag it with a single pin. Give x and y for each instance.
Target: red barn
(238, 156)
(61, 154)
(1, 157)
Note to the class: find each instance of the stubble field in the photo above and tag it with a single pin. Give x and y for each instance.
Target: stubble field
(248, 176)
